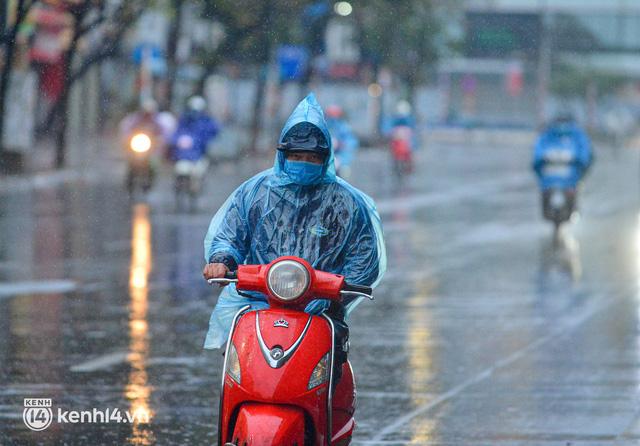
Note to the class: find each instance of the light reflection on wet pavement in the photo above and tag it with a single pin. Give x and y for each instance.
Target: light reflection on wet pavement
(483, 331)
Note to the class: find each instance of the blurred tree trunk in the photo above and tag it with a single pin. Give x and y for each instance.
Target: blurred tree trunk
(258, 102)
(63, 101)
(105, 52)
(9, 41)
(592, 104)
(172, 49)
(266, 16)
(116, 25)
(411, 90)
(63, 109)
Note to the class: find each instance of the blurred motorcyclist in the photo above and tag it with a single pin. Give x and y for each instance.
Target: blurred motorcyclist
(194, 132)
(299, 207)
(188, 149)
(146, 119)
(402, 138)
(143, 136)
(344, 141)
(403, 116)
(562, 156)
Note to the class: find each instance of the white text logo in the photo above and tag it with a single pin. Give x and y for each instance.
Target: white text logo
(37, 413)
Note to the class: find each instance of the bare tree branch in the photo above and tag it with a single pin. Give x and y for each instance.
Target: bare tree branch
(122, 18)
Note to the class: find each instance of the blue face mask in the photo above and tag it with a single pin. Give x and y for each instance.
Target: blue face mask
(303, 173)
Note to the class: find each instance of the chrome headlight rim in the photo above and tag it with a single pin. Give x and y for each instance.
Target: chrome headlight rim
(296, 264)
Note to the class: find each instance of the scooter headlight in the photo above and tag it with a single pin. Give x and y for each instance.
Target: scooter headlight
(233, 364)
(288, 280)
(140, 143)
(320, 373)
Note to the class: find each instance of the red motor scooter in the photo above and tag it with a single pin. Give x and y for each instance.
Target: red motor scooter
(277, 380)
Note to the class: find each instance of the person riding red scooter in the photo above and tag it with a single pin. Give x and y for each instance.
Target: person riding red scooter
(298, 208)
(279, 386)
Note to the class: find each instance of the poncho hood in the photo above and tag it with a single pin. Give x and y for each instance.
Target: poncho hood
(308, 110)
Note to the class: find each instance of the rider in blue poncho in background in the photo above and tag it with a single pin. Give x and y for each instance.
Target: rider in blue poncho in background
(195, 130)
(344, 142)
(562, 154)
(299, 207)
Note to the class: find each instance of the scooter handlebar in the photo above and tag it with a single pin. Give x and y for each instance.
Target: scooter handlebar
(357, 290)
(347, 288)
(230, 277)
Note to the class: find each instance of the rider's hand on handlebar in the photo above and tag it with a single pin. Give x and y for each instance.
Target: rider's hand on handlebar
(215, 271)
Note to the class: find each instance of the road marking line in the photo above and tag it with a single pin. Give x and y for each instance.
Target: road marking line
(39, 287)
(573, 323)
(101, 362)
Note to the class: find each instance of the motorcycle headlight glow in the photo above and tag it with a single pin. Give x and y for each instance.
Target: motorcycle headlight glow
(288, 279)
(320, 373)
(233, 364)
(140, 143)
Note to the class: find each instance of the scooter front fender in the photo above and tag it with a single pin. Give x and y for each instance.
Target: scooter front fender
(261, 424)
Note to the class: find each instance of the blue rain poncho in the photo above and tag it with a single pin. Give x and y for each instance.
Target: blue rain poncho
(331, 224)
(199, 128)
(565, 142)
(341, 131)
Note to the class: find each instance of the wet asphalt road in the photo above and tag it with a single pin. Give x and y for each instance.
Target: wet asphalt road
(482, 333)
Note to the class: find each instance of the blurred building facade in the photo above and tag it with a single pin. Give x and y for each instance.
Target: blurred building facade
(515, 64)
(524, 59)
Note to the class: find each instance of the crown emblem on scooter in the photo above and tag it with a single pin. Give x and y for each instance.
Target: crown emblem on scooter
(281, 323)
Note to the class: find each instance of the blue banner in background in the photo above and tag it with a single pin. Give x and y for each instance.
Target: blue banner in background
(292, 62)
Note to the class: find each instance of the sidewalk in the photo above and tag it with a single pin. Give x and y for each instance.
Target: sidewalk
(93, 160)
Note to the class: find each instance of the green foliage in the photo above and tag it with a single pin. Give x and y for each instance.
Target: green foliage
(253, 28)
(401, 34)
